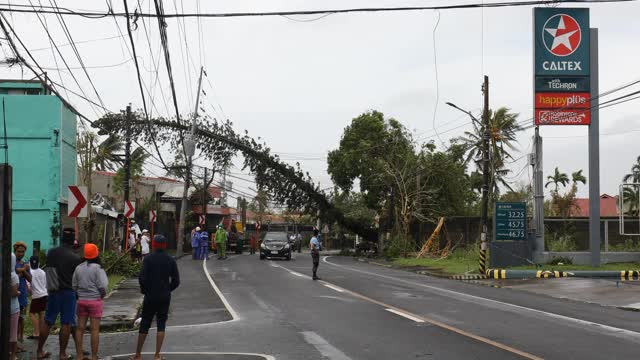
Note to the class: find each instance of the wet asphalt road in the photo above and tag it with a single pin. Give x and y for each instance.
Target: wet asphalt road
(363, 311)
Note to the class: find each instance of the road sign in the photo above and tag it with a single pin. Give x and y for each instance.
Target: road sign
(325, 229)
(129, 209)
(77, 206)
(152, 216)
(510, 221)
(203, 219)
(562, 66)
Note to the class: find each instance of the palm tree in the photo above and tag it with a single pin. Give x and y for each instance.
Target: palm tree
(577, 177)
(558, 178)
(503, 127)
(106, 158)
(634, 177)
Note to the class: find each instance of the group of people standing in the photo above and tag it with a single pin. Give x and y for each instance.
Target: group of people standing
(72, 287)
(201, 243)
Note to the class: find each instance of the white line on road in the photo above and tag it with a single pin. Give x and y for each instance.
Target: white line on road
(327, 350)
(405, 315)
(593, 326)
(298, 274)
(334, 288)
(266, 357)
(234, 316)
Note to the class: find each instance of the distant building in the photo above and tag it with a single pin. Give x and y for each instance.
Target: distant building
(608, 206)
(41, 133)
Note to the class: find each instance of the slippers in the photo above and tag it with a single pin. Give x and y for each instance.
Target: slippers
(46, 355)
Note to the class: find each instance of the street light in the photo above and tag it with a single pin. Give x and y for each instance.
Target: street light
(464, 111)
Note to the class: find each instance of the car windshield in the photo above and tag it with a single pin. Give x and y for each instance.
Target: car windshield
(275, 237)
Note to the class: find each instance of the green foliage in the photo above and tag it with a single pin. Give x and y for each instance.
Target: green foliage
(460, 261)
(564, 205)
(503, 126)
(124, 265)
(629, 245)
(138, 158)
(563, 243)
(365, 143)
(564, 260)
(558, 178)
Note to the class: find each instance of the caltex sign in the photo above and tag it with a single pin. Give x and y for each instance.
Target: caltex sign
(561, 61)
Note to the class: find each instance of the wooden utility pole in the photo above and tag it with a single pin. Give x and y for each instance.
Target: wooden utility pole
(485, 178)
(127, 169)
(189, 149)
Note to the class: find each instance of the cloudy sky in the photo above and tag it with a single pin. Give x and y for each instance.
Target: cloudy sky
(297, 82)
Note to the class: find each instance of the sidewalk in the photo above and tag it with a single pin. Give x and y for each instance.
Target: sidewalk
(120, 309)
(604, 292)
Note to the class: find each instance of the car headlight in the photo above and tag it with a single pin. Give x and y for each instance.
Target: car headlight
(263, 246)
(286, 246)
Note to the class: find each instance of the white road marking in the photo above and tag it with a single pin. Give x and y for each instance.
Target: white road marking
(234, 316)
(234, 275)
(298, 274)
(633, 306)
(333, 288)
(327, 350)
(266, 357)
(584, 324)
(404, 315)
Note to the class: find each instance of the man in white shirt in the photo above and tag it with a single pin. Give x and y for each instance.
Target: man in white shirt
(144, 242)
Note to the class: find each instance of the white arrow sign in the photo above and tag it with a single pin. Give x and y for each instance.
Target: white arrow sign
(77, 206)
(129, 209)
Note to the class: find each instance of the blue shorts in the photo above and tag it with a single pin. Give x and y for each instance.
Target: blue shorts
(61, 302)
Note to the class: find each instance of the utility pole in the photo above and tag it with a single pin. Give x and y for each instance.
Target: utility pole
(205, 188)
(127, 168)
(189, 150)
(485, 177)
(538, 197)
(6, 176)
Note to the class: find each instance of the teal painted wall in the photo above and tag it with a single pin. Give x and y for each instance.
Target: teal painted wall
(41, 134)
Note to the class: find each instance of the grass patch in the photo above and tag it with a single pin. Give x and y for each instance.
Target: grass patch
(603, 267)
(113, 281)
(459, 262)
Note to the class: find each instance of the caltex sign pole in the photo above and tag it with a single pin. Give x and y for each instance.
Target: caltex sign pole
(594, 156)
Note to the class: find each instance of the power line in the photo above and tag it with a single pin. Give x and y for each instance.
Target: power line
(100, 14)
(65, 29)
(78, 42)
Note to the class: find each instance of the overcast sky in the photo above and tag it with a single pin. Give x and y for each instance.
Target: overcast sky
(298, 84)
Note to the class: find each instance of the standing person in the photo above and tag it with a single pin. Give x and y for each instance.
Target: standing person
(15, 310)
(132, 243)
(299, 241)
(252, 244)
(145, 243)
(90, 283)
(24, 274)
(158, 278)
(204, 244)
(61, 262)
(221, 242)
(195, 243)
(315, 247)
(38, 296)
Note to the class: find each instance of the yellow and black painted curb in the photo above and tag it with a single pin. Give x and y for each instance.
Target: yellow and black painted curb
(469, 277)
(497, 274)
(629, 275)
(545, 274)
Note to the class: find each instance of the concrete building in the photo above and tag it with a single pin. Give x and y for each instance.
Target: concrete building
(41, 134)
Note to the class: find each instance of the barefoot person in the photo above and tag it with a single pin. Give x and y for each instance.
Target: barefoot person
(158, 278)
(38, 296)
(61, 261)
(24, 273)
(90, 283)
(15, 311)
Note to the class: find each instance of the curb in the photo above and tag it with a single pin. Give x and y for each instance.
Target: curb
(623, 275)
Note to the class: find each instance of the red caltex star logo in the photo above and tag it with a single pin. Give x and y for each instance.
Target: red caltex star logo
(561, 35)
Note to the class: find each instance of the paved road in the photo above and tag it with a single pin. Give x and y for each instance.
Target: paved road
(362, 311)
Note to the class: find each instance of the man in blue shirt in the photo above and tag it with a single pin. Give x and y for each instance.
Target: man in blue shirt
(315, 247)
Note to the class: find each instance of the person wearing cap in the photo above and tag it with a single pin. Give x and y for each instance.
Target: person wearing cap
(38, 296)
(203, 239)
(61, 261)
(145, 243)
(195, 243)
(221, 242)
(24, 274)
(158, 278)
(90, 282)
